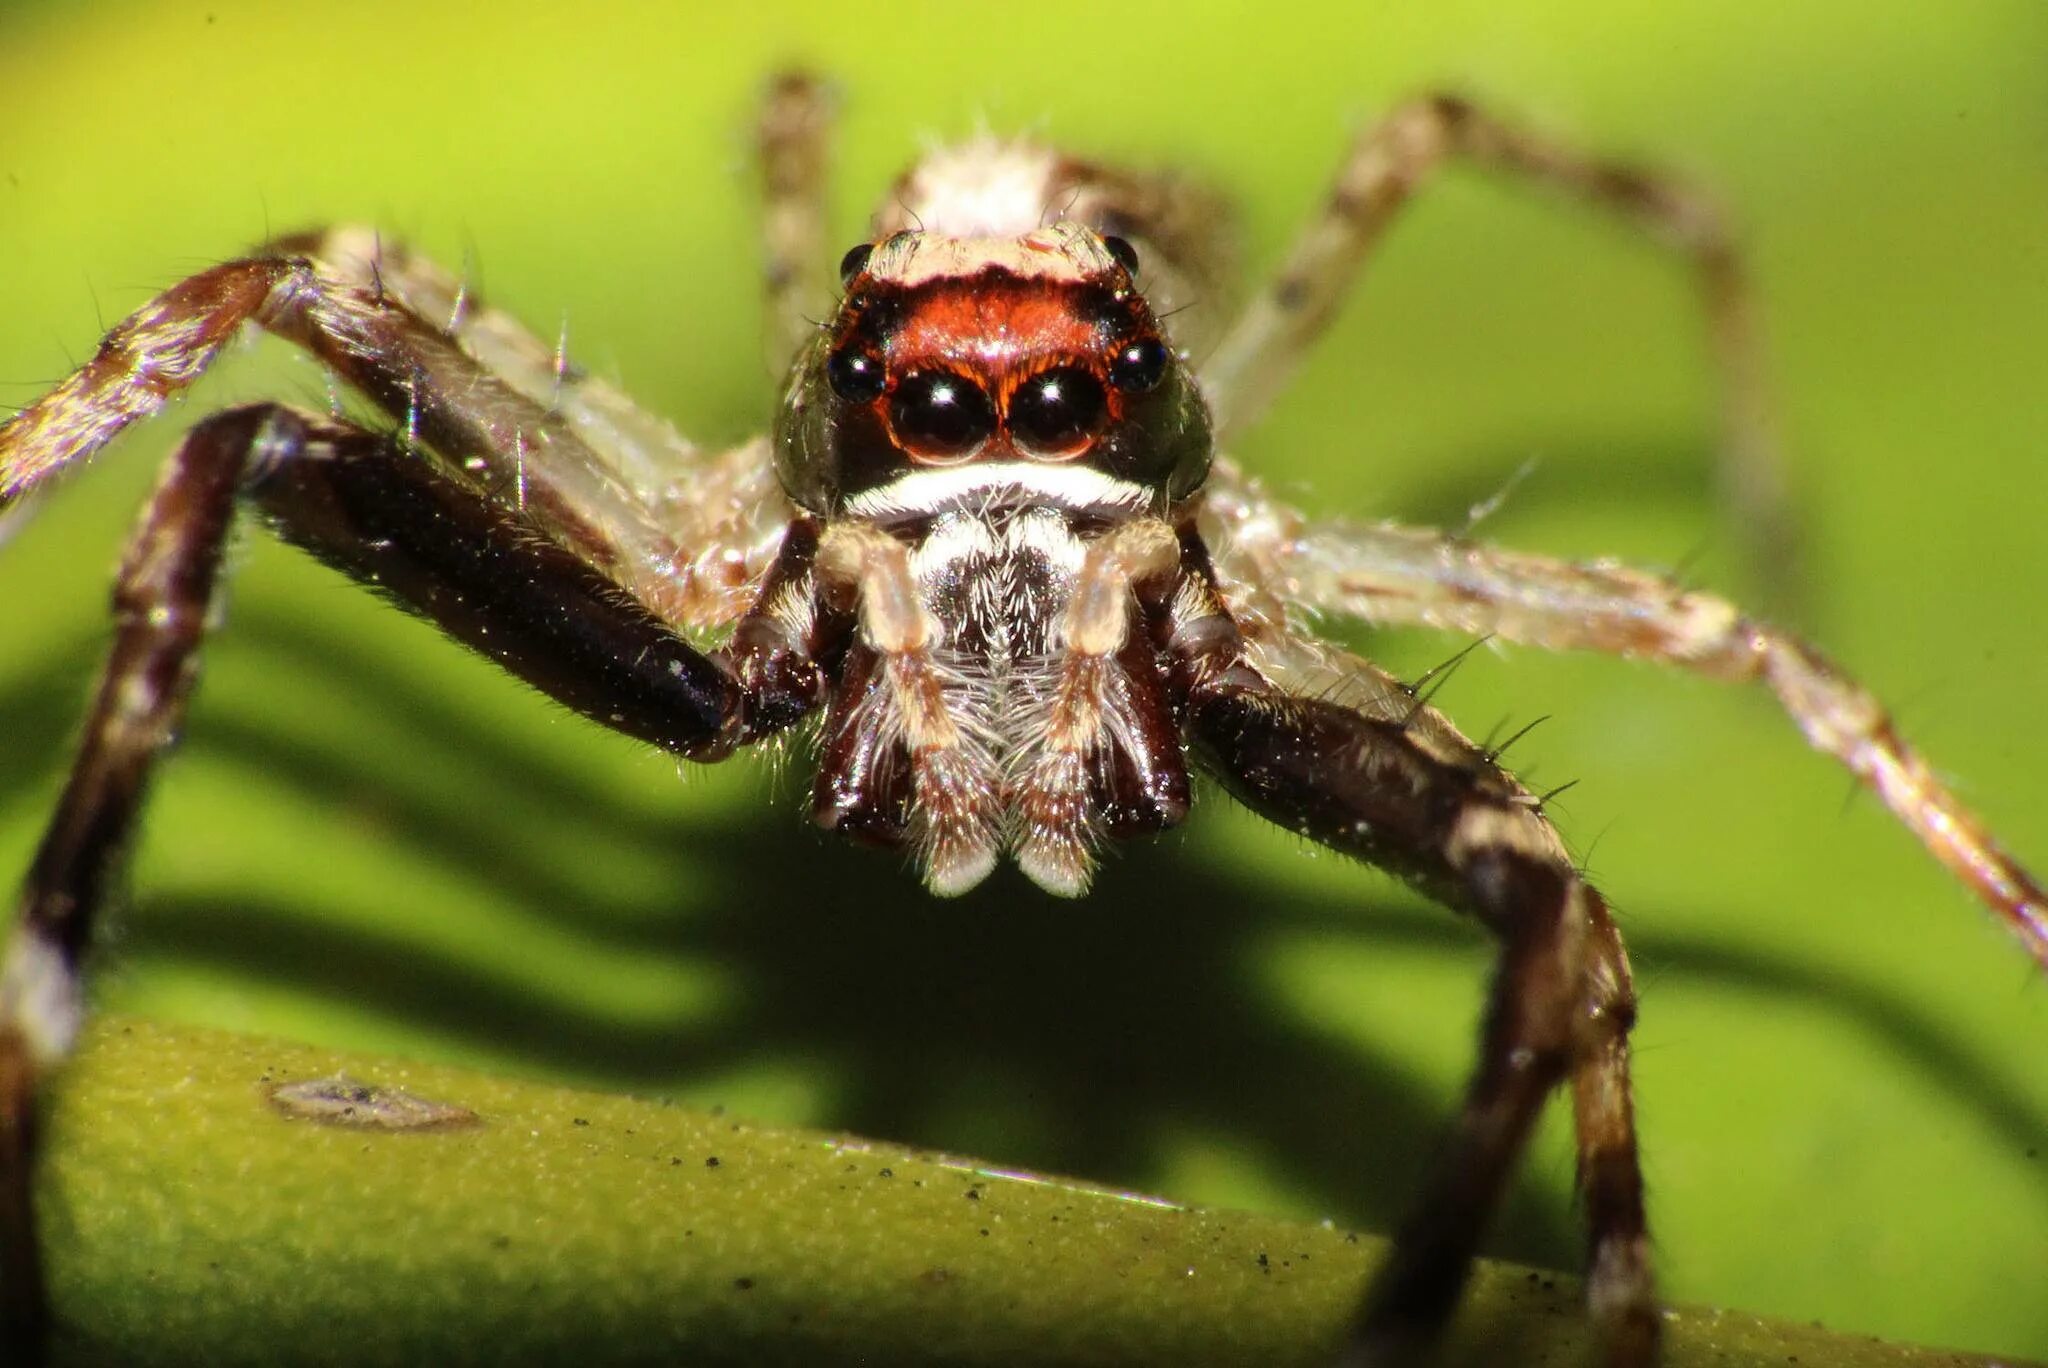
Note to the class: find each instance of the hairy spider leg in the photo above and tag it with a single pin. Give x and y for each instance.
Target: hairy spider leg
(560, 459)
(643, 452)
(719, 515)
(1400, 576)
(373, 507)
(791, 142)
(1389, 162)
(1404, 791)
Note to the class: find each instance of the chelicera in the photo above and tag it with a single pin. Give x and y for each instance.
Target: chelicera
(990, 553)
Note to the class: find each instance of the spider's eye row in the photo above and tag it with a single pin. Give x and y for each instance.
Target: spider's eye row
(939, 414)
(1125, 254)
(854, 375)
(854, 262)
(1139, 366)
(1056, 411)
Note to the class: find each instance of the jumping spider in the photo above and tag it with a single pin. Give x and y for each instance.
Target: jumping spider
(989, 552)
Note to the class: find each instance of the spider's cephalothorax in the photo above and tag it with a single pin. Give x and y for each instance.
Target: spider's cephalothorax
(988, 546)
(982, 411)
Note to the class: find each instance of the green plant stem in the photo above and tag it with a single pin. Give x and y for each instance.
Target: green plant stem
(189, 1218)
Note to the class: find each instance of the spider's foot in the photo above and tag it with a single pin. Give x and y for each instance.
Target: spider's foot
(1622, 1301)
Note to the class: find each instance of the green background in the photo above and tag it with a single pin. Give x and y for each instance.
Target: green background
(371, 840)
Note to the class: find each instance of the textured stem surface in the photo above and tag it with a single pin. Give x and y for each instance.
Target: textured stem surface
(208, 1198)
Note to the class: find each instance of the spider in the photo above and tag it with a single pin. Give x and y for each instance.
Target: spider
(989, 551)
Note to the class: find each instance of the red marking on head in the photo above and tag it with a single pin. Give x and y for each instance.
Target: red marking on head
(990, 364)
(993, 326)
(999, 333)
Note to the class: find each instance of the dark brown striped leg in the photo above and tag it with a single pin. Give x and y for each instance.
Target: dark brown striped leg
(1412, 797)
(161, 600)
(365, 504)
(1388, 164)
(391, 518)
(1621, 1290)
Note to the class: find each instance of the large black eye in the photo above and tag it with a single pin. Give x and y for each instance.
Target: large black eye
(938, 414)
(854, 262)
(854, 375)
(1140, 366)
(1125, 254)
(1057, 410)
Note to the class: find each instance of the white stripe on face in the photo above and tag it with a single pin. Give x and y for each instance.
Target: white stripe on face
(922, 493)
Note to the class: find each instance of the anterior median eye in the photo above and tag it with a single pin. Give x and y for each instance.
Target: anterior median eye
(937, 414)
(1057, 411)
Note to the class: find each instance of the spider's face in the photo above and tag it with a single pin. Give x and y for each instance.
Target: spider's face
(1036, 352)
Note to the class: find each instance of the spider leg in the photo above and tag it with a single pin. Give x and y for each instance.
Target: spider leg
(1384, 168)
(1370, 771)
(794, 124)
(568, 462)
(644, 452)
(373, 507)
(1401, 576)
(722, 513)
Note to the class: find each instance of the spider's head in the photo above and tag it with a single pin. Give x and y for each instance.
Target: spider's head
(1036, 351)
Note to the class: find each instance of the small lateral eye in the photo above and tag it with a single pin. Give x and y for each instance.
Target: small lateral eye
(940, 415)
(1125, 254)
(854, 375)
(854, 262)
(1056, 411)
(1139, 366)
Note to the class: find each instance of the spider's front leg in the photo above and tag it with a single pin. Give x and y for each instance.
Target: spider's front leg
(1402, 789)
(390, 516)
(1400, 576)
